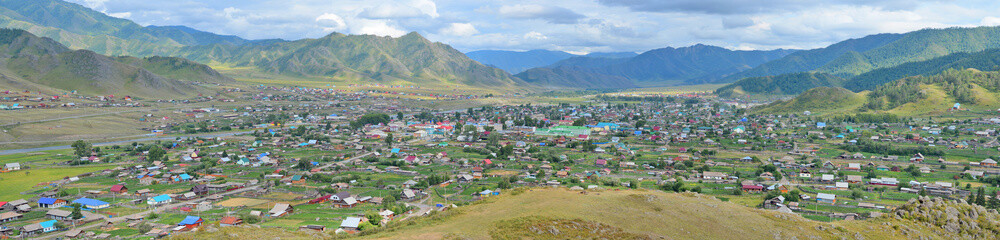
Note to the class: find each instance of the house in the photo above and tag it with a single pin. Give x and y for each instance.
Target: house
(713, 175)
(11, 167)
(119, 188)
(601, 162)
(34, 228)
(854, 178)
(230, 221)
(313, 227)
(753, 188)
(842, 185)
(826, 198)
(280, 209)
(190, 222)
(408, 194)
(350, 223)
(51, 203)
(9, 216)
(853, 166)
(988, 163)
(387, 214)
(826, 178)
(58, 214)
(48, 226)
(805, 174)
(346, 203)
(20, 205)
(340, 196)
(200, 189)
(92, 203)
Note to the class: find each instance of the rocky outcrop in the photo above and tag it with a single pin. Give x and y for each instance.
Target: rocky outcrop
(955, 217)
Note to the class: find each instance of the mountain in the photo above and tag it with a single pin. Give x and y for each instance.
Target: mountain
(912, 96)
(611, 54)
(671, 66)
(795, 83)
(516, 62)
(988, 60)
(410, 58)
(80, 27)
(857, 56)
(573, 77)
(789, 83)
(38, 63)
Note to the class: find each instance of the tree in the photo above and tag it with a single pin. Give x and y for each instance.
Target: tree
(81, 148)
(156, 154)
(365, 226)
(76, 215)
(373, 217)
(388, 139)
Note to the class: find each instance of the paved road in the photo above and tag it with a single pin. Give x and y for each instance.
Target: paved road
(207, 135)
(159, 209)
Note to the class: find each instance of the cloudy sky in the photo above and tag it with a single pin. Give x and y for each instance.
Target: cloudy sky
(569, 25)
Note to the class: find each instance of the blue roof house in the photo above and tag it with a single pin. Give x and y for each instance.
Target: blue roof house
(92, 203)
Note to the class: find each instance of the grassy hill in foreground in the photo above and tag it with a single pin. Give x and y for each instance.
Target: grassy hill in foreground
(629, 214)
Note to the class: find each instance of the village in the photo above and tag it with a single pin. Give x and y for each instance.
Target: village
(336, 162)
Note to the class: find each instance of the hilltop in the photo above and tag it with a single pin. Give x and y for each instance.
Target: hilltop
(818, 100)
(632, 214)
(790, 83)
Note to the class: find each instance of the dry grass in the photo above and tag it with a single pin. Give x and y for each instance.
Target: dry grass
(241, 202)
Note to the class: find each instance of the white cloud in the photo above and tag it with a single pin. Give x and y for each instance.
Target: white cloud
(990, 21)
(552, 14)
(535, 36)
(568, 25)
(459, 29)
(121, 14)
(376, 27)
(331, 22)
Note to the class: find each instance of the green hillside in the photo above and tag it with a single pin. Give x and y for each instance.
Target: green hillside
(988, 60)
(913, 96)
(820, 100)
(791, 83)
(543, 213)
(38, 63)
(857, 56)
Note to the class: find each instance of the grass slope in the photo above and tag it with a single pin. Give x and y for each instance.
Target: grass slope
(629, 214)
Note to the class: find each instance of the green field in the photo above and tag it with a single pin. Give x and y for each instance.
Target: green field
(12, 184)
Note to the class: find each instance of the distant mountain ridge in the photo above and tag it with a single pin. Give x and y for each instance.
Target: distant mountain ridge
(666, 66)
(410, 58)
(515, 62)
(795, 83)
(853, 57)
